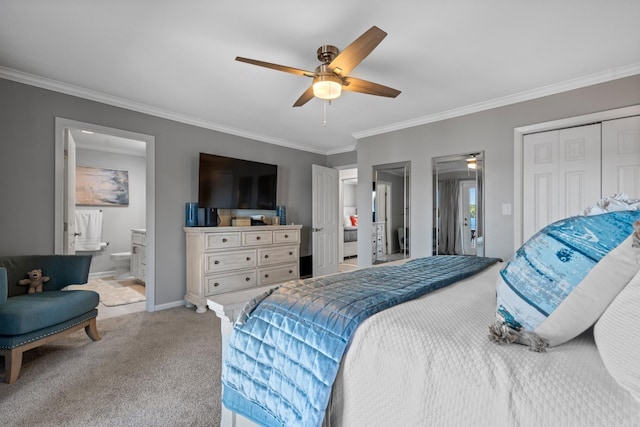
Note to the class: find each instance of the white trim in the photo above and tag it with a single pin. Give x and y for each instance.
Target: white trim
(61, 124)
(169, 305)
(613, 74)
(69, 89)
(518, 140)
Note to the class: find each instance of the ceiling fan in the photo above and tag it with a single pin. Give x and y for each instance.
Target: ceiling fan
(330, 78)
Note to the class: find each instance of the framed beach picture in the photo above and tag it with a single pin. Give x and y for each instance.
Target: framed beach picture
(101, 187)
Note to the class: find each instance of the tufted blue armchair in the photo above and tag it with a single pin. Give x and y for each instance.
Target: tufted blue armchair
(31, 320)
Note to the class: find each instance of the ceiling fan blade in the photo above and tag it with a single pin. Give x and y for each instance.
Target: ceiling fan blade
(362, 86)
(305, 97)
(286, 69)
(353, 54)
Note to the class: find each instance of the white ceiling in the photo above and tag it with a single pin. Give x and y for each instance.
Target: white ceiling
(175, 59)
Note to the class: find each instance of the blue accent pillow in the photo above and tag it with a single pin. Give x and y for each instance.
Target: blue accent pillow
(560, 281)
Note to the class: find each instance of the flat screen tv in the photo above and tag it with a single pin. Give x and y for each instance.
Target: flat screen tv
(228, 183)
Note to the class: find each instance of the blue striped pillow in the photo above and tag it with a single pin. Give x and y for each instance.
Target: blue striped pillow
(561, 280)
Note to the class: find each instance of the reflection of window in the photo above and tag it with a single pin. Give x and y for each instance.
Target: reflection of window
(472, 210)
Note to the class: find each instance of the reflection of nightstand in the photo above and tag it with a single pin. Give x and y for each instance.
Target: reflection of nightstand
(374, 244)
(380, 242)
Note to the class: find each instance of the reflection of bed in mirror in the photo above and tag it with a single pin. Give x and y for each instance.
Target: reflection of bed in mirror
(350, 246)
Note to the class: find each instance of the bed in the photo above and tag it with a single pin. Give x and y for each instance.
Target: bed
(419, 364)
(350, 245)
(429, 360)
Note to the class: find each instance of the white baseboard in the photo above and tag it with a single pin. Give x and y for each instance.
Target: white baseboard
(169, 305)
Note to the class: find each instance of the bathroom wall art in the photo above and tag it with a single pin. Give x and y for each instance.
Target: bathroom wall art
(101, 187)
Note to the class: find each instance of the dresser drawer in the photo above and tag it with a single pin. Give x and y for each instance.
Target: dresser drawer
(224, 261)
(252, 238)
(277, 255)
(221, 240)
(220, 283)
(286, 236)
(278, 274)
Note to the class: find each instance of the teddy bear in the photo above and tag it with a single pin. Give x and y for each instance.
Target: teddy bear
(35, 280)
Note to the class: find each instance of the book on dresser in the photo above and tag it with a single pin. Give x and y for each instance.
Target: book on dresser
(231, 259)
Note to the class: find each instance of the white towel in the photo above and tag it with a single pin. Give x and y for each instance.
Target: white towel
(89, 228)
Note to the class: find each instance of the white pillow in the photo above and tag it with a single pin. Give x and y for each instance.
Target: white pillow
(617, 335)
(560, 281)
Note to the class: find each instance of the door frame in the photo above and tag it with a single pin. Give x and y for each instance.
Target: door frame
(518, 141)
(61, 126)
(388, 207)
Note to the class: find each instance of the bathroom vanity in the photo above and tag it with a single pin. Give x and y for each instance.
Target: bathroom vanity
(138, 254)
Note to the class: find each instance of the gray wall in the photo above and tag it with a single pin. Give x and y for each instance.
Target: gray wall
(27, 117)
(349, 192)
(491, 131)
(117, 221)
(27, 121)
(350, 158)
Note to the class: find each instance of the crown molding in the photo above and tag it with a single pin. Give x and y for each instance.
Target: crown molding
(69, 89)
(592, 79)
(92, 95)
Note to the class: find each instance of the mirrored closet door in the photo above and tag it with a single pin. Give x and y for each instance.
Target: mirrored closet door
(458, 200)
(390, 212)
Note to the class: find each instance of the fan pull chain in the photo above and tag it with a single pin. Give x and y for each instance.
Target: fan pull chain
(324, 121)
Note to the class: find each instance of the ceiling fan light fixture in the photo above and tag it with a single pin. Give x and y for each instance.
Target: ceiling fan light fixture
(327, 86)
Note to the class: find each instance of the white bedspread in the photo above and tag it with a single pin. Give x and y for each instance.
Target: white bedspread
(428, 362)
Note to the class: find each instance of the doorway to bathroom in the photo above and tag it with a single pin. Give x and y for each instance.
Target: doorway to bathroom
(106, 175)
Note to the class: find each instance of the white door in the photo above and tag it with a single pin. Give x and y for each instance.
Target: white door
(468, 216)
(69, 236)
(621, 157)
(561, 175)
(324, 231)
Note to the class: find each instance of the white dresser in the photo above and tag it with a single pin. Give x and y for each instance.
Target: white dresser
(228, 259)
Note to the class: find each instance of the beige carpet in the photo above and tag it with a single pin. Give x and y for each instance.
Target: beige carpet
(115, 292)
(159, 369)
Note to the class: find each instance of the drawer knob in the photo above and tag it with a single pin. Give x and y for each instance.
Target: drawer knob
(216, 262)
(216, 284)
(290, 253)
(224, 240)
(247, 279)
(258, 238)
(248, 258)
(286, 236)
(290, 271)
(266, 276)
(266, 256)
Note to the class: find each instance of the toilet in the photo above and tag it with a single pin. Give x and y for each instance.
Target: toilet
(122, 261)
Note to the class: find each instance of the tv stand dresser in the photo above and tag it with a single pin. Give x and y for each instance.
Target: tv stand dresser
(229, 259)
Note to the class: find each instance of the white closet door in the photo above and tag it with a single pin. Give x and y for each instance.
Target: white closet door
(561, 175)
(621, 157)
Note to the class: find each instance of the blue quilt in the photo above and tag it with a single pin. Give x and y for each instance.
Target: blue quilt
(282, 362)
